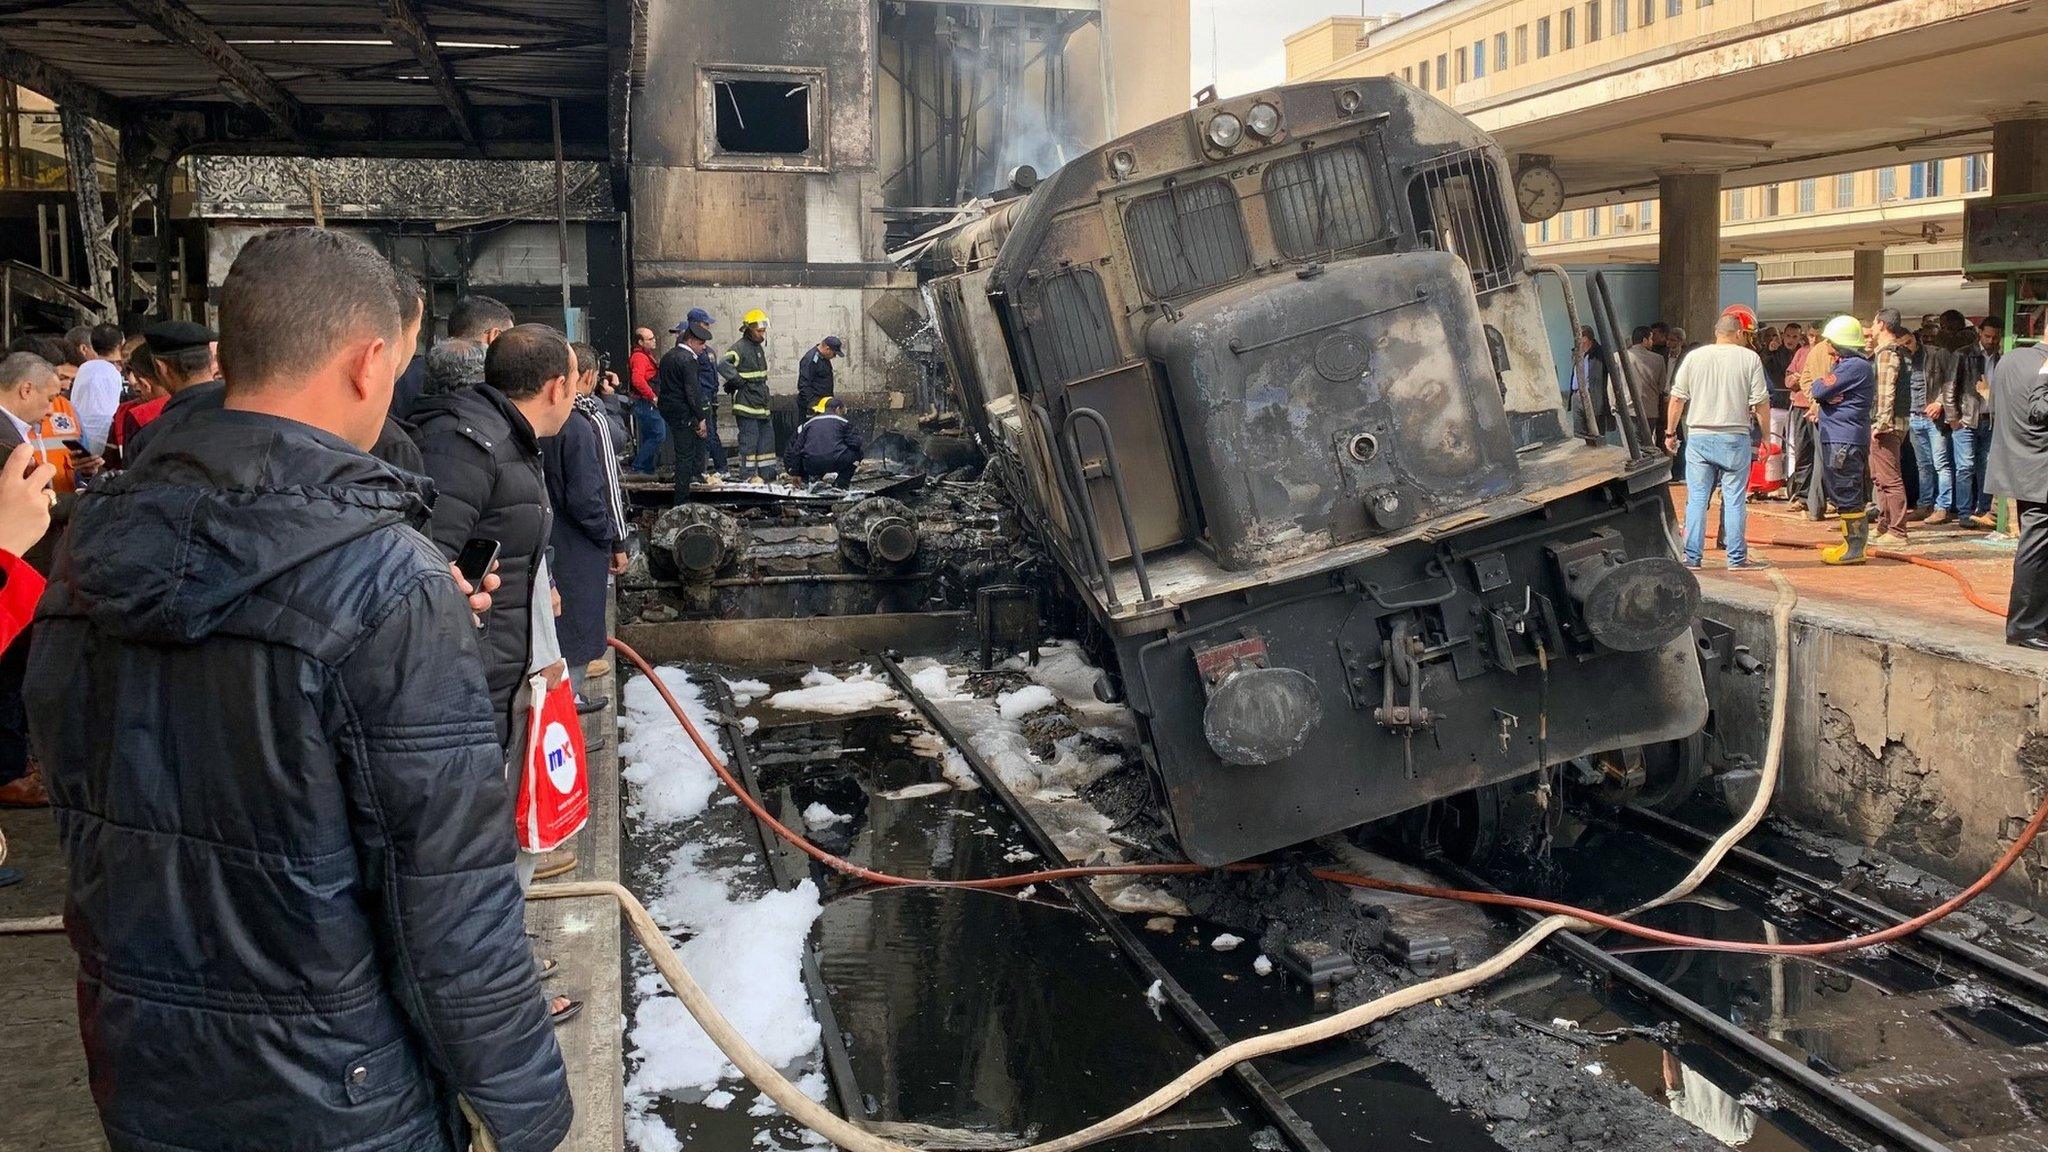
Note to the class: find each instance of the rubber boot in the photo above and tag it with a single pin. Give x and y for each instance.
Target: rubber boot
(1855, 534)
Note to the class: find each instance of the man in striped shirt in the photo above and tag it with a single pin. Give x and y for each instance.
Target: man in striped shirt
(589, 535)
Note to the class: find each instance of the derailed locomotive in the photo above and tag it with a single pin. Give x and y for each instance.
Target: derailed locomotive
(1273, 376)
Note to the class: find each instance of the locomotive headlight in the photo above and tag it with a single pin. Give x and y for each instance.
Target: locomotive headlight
(1122, 163)
(1263, 120)
(1225, 130)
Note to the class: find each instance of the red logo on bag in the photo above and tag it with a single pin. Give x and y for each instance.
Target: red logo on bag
(549, 815)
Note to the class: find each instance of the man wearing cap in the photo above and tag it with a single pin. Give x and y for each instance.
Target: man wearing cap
(744, 369)
(814, 376)
(1845, 396)
(184, 355)
(826, 445)
(707, 376)
(682, 405)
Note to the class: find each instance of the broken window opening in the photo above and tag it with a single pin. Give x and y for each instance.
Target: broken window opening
(769, 117)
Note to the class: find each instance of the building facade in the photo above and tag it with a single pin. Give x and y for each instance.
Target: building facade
(1801, 232)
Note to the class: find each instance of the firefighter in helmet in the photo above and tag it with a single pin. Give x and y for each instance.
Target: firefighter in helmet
(744, 369)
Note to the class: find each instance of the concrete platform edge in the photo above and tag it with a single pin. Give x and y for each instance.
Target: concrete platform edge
(1927, 745)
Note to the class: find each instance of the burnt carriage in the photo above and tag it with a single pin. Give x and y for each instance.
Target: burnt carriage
(1274, 377)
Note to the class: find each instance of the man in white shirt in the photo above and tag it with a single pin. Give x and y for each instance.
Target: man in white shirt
(1720, 388)
(96, 393)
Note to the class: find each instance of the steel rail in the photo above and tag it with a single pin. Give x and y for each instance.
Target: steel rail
(2030, 986)
(1846, 1106)
(1269, 1101)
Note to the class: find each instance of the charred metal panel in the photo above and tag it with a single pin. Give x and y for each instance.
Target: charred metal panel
(1331, 406)
(1478, 691)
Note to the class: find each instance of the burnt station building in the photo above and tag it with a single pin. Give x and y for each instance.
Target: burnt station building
(593, 163)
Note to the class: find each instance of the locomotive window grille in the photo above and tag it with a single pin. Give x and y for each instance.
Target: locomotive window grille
(1186, 239)
(1458, 205)
(1073, 336)
(1327, 201)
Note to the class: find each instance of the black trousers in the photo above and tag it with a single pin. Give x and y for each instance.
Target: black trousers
(818, 467)
(2026, 613)
(682, 431)
(1804, 449)
(14, 751)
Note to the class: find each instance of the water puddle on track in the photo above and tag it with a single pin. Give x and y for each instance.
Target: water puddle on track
(1940, 1052)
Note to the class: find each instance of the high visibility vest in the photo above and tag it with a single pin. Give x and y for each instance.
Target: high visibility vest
(48, 440)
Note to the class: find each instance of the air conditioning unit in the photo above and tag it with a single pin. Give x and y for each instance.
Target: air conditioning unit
(1624, 221)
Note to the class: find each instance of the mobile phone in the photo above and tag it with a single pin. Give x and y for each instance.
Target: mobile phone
(475, 560)
(77, 447)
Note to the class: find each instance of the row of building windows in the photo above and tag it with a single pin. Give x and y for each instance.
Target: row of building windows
(1491, 56)
(1923, 181)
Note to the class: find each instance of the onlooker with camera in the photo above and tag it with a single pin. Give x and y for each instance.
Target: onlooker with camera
(293, 899)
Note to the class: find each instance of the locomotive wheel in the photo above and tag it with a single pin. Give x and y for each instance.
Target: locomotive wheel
(1671, 771)
(1464, 829)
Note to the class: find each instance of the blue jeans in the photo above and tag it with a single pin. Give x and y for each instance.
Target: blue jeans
(652, 431)
(1717, 459)
(1937, 467)
(1972, 458)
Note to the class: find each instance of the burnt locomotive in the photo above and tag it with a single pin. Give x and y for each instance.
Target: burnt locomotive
(1274, 377)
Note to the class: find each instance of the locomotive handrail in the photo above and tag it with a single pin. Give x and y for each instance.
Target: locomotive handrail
(1571, 317)
(1078, 506)
(1123, 504)
(1635, 426)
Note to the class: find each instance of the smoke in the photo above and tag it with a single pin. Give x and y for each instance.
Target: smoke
(1021, 134)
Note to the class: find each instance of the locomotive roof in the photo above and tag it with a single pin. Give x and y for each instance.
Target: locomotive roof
(1415, 128)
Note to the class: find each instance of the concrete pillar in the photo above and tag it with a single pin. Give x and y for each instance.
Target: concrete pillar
(1867, 289)
(2019, 165)
(1689, 251)
(2019, 156)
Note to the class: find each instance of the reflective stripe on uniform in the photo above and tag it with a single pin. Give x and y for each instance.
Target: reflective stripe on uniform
(750, 410)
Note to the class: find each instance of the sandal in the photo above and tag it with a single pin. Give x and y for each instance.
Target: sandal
(548, 965)
(567, 1012)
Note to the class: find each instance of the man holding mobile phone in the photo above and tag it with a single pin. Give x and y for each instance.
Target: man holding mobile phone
(258, 693)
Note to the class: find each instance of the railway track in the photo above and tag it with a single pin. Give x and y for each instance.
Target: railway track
(1929, 1043)
(1827, 1034)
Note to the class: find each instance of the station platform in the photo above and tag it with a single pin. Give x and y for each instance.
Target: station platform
(1912, 727)
(1891, 589)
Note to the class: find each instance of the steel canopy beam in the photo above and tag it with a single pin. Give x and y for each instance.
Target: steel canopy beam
(402, 20)
(177, 22)
(67, 90)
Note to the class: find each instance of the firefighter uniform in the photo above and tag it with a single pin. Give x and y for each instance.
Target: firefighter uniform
(744, 369)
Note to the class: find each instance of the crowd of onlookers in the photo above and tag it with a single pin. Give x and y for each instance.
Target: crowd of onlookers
(1892, 428)
(287, 608)
(305, 592)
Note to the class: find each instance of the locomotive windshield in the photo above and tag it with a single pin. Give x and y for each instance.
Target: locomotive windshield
(1327, 201)
(1187, 238)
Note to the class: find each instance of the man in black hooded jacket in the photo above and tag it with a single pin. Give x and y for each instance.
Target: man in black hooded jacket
(481, 447)
(257, 694)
